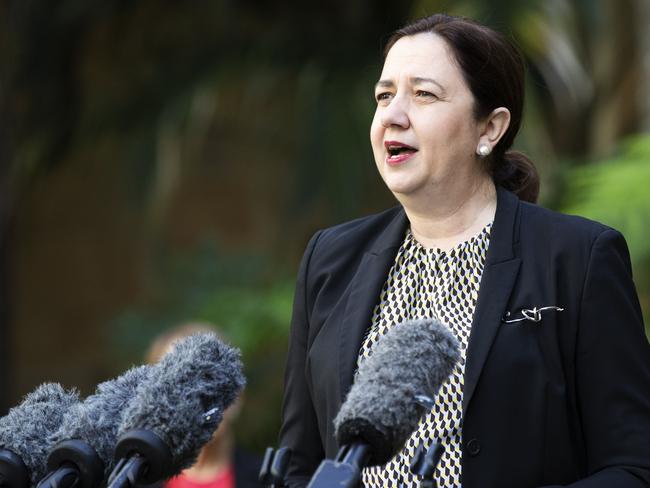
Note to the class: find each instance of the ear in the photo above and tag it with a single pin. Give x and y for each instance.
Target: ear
(493, 127)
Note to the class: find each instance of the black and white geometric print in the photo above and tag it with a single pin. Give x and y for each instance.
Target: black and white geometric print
(430, 283)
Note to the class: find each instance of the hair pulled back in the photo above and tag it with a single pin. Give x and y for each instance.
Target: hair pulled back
(493, 69)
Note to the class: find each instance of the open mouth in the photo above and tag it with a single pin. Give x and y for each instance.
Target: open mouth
(398, 152)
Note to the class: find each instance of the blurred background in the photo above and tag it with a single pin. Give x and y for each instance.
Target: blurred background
(164, 162)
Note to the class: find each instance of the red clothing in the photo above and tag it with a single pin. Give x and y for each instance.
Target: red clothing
(225, 479)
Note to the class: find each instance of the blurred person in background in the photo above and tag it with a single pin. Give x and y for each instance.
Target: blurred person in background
(553, 385)
(220, 463)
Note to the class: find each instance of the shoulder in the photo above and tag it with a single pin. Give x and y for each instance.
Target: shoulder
(575, 244)
(550, 228)
(334, 254)
(371, 225)
(369, 233)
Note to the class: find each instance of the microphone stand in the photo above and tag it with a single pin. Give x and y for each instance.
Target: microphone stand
(345, 470)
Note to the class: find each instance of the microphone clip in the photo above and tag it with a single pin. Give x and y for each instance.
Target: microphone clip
(274, 467)
(73, 463)
(345, 470)
(424, 463)
(142, 458)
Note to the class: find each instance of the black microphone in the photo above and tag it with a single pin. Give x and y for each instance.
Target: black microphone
(24, 434)
(176, 411)
(381, 410)
(83, 445)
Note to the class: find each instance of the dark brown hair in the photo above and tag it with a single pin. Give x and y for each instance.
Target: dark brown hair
(493, 69)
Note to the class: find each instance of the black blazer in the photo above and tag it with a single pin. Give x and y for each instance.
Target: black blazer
(546, 403)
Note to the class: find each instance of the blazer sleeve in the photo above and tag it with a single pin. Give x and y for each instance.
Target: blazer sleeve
(613, 371)
(299, 429)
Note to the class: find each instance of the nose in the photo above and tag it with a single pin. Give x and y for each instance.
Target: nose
(395, 114)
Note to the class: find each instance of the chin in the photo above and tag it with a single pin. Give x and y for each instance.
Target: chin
(402, 188)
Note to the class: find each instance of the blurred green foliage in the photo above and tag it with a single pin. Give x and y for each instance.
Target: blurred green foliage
(248, 300)
(616, 192)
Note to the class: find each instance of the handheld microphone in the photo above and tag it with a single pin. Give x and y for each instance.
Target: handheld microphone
(176, 411)
(25, 430)
(381, 410)
(83, 445)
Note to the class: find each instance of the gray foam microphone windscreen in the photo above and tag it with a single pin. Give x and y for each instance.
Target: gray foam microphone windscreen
(25, 430)
(96, 419)
(412, 358)
(197, 375)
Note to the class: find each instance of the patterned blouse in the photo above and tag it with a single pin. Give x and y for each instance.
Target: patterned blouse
(430, 283)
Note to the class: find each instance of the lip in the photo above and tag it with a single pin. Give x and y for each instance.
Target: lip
(399, 158)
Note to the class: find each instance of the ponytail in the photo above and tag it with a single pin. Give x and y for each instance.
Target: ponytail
(517, 173)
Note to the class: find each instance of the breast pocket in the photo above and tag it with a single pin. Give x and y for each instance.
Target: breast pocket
(529, 337)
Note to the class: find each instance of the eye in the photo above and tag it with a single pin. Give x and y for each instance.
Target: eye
(383, 96)
(424, 94)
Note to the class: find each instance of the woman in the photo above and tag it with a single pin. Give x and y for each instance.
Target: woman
(553, 387)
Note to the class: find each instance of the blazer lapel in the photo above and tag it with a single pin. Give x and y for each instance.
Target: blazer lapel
(364, 296)
(499, 275)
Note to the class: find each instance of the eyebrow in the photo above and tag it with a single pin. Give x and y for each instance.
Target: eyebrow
(415, 80)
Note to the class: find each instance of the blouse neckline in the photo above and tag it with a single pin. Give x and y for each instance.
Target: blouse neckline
(410, 240)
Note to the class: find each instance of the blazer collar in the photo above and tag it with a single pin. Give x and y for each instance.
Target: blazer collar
(364, 295)
(499, 275)
(392, 236)
(504, 235)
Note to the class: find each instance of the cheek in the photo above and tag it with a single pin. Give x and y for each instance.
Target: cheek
(376, 131)
(446, 133)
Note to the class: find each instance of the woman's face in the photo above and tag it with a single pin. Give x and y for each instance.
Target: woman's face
(423, 134)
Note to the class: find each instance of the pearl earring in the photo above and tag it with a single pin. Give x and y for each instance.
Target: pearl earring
(484, 150)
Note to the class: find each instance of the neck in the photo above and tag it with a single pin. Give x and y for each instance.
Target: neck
(451, 214)
(215, 458)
